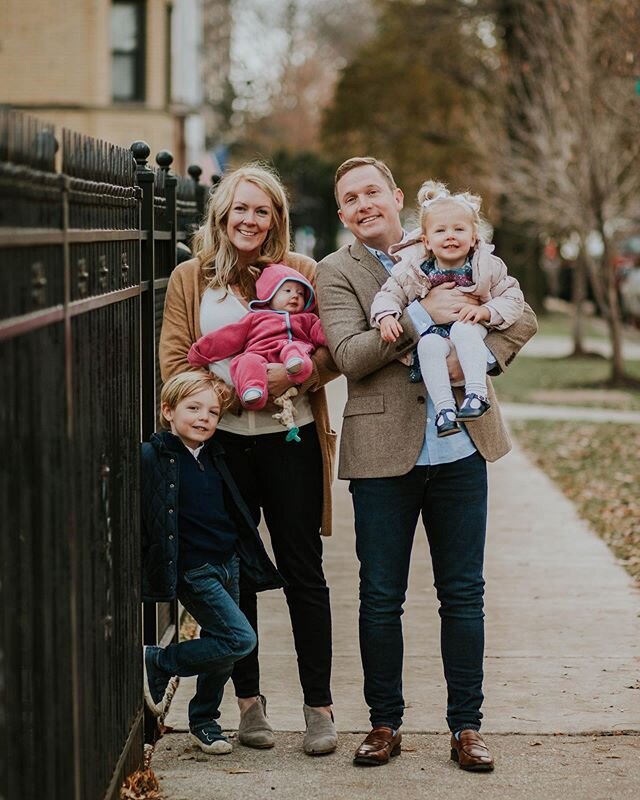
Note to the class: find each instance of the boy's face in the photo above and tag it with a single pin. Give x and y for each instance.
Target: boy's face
(289, 297)
(195, 418)
(448, 233)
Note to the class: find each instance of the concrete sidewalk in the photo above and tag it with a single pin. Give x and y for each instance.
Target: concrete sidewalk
(562, 659)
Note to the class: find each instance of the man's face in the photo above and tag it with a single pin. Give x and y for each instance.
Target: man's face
(369, 207)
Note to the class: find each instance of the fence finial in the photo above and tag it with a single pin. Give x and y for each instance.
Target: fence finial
(164, 159)
(141, 152)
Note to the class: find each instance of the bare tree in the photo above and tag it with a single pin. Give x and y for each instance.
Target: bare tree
(297, 48)
(569, 162)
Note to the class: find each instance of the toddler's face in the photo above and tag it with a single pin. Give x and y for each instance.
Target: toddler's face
(289, 297)
(448, 233)
(195, 418)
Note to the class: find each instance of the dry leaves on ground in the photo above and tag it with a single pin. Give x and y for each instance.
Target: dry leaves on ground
(141, 785)
(597, 466)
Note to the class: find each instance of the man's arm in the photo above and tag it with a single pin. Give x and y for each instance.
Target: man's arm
(507, 343)
(357, 349)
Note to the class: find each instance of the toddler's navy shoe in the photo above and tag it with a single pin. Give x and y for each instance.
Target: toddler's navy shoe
(415, 373)
(446, 423)
(473, 406)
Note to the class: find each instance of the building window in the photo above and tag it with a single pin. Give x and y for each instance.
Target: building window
(127, 50)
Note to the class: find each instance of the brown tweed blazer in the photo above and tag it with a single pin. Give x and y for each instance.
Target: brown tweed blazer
(385, 415)
(181, 328)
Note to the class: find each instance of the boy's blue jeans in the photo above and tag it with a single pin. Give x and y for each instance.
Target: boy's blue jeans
(210, 594)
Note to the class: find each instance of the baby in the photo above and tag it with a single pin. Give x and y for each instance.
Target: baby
(279, 328)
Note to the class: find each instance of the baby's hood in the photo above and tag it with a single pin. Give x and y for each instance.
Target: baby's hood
(271, 279)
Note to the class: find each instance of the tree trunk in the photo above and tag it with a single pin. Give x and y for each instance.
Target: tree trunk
(578, 296)
(614, 319)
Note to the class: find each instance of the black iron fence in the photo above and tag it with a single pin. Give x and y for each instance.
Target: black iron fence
(88, 237)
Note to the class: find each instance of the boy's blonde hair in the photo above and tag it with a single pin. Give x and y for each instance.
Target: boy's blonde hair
(211, 245)
(432, 193)
(185, 384)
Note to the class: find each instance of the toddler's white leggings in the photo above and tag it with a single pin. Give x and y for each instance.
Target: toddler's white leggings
(468, 339)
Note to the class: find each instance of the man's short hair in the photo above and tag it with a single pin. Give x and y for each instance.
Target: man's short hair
(363, 161)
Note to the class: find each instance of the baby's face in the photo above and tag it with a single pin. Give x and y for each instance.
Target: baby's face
(289, 297)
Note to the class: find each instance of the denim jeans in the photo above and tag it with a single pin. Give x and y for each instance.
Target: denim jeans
(283, 480)
(210, 594)
(452, 499)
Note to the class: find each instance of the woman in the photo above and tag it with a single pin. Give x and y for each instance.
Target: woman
(247, 226)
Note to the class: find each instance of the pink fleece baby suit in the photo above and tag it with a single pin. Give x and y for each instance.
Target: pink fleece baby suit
(264, 336)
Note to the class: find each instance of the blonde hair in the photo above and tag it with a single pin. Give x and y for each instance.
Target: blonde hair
(185, 384)
(432, 193)
(211, 245)
(362, 161)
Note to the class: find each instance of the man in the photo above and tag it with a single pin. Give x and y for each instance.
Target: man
(400, 470)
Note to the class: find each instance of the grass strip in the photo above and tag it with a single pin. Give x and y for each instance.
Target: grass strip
(569, 381)
(597, 467)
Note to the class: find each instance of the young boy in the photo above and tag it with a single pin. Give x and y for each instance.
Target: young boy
(197, 534)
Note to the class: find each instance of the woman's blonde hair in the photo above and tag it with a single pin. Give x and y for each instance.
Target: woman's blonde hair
(432, 193)
(185, 384)
(211, 245)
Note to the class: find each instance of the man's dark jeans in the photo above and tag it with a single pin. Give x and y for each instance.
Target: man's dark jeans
(452, 499)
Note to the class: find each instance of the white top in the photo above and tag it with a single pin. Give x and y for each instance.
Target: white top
(218, 308)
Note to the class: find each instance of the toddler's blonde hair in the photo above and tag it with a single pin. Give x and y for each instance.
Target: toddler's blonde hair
(433, 193)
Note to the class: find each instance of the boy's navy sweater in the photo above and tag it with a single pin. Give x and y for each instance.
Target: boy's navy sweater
(207, 533)
(160, 485)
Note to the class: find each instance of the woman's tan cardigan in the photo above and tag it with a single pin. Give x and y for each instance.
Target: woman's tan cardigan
(181, 328)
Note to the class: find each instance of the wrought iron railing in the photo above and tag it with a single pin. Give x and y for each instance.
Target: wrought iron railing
(85, 255)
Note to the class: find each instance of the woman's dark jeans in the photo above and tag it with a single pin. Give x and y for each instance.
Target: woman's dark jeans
(284, 479)
(452, 499)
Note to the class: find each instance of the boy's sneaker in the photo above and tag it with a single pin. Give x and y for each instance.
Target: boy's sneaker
(473, 406)
(210, 740)
(446, 423)
(156, 682)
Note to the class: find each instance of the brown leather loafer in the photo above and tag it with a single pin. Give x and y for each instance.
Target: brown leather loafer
(379, 746)
(471, 752)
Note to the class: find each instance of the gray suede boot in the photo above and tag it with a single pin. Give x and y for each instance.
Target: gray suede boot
(321, 736)
(254, 729)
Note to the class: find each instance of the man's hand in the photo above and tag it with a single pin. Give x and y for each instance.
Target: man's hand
(443, 303)
(456, 375)
(471, 313)
(390, 328)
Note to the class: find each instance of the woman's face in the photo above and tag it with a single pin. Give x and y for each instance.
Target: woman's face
(250, 219)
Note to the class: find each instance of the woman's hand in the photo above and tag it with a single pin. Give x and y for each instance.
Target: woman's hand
(277, 380)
